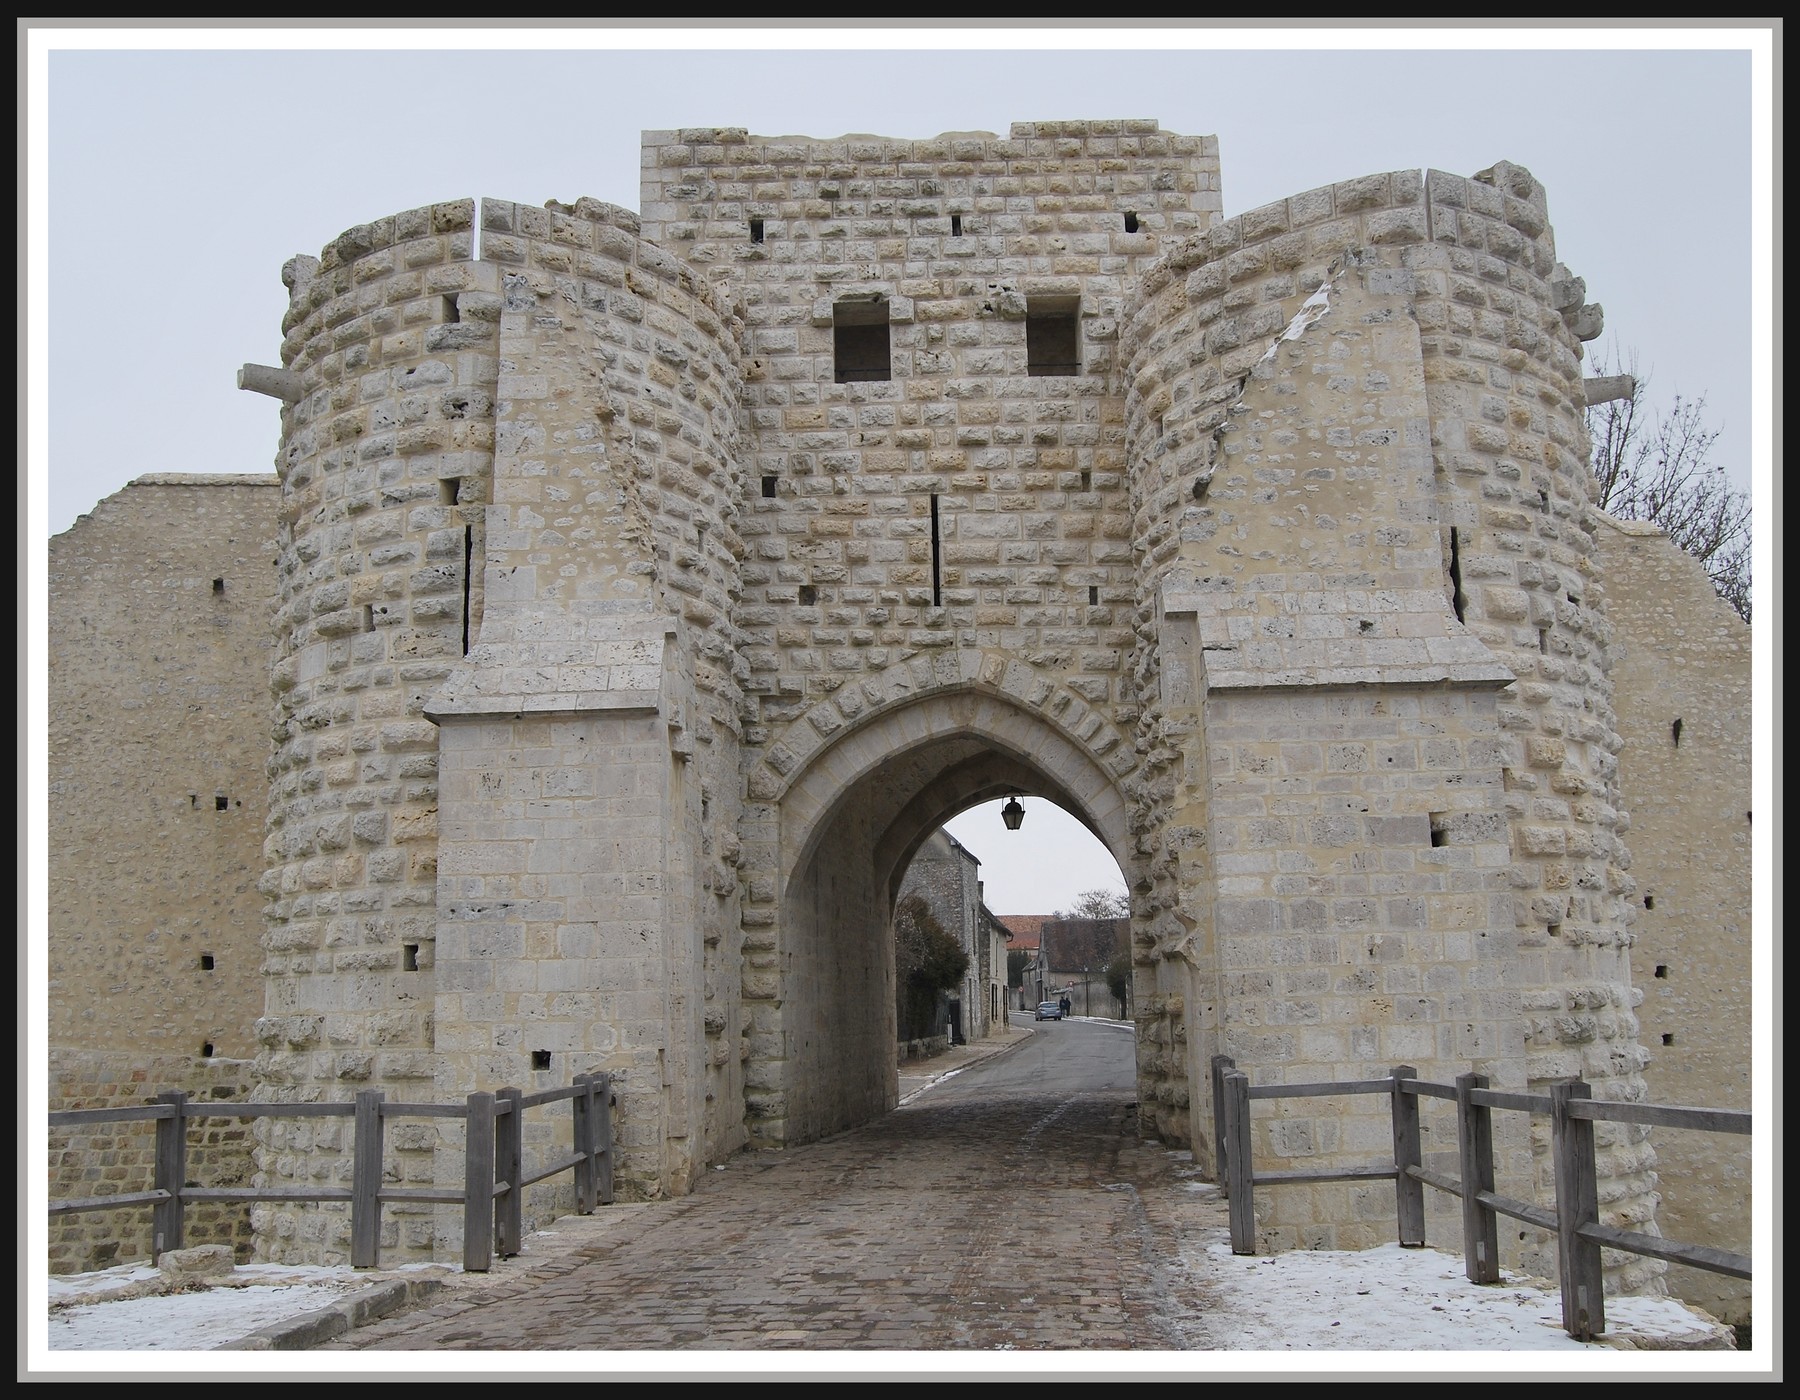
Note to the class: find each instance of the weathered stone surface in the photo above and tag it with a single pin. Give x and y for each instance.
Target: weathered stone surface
(651, 588)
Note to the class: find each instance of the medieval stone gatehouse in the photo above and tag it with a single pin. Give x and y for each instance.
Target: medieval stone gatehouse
(651, 586)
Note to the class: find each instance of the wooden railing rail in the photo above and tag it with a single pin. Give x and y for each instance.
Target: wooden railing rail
(494, 1174)
(1574, 1218)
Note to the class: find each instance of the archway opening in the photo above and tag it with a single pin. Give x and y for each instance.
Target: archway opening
(852, 827)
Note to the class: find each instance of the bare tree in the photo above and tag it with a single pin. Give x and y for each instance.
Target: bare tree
(1659, 467)
(1098, 904)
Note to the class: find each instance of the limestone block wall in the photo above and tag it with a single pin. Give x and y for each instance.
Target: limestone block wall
(158, 645)
(1682, 691)
(115, 1158)
(962, 504)
(385, 468)
(586, 893)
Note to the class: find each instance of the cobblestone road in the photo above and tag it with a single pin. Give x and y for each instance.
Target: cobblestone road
(1026, 1222)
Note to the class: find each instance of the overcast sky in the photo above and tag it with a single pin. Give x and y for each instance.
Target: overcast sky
(178, 169)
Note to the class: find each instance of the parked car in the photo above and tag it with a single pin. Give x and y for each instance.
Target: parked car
(1049, 1011)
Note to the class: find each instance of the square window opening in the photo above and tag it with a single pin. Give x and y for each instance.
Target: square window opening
(1052, 336)
(859, 342)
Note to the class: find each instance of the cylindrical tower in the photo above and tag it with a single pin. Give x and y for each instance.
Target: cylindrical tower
(1376, 712)
(385, 465)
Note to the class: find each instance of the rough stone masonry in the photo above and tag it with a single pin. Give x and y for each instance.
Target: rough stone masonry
(651, 586)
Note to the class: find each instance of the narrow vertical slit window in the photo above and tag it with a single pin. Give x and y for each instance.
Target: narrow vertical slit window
(956, 225)
(861, 353)
(937, 557)
(1457, 600)
(1052, 336)
(1131, 223)
(756, 230)
(768, 488)
(468, 581)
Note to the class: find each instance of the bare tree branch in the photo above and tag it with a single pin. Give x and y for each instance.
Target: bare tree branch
(1659, 467)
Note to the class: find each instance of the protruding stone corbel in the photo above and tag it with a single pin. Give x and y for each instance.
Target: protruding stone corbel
(1587, 323)
(281, 384)
(1568, 293)
(1609, 388)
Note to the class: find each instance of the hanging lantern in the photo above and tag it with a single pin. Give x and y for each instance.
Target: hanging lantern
(1012, 813)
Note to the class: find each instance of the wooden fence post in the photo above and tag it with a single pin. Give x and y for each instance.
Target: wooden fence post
(1409, 1191)
(509, 1166)
(601, 1126)
(1475, 1154)
(365, 1181)
(1577, 1204)
(1220, 1063)
(1241, 1203)
(171, 1174)
(583, 1116)
(478, 1184)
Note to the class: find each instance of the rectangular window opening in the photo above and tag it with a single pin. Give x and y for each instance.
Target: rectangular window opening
(1052, 336)
(409, 957)
(860, 350)
(956, 225)
(206, 1050)
(768, 488)
(452, 312)
(1554, 930)
(1662, 971)
(369, 617)
(1440, 829)
(450, 485)
(1649, 901)
(756, 230)
(1668, 1038)
(1131, 223)
(808, 595)
(1093, 595)
(218, 585)
(206, 962)
(540, 1059)
(221, 802)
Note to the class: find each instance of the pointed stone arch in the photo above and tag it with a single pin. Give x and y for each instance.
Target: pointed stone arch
(818, 947)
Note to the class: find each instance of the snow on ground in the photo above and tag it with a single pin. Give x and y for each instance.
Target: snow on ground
(1382, 1307)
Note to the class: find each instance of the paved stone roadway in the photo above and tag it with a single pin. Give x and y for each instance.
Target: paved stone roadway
(1028, 1223)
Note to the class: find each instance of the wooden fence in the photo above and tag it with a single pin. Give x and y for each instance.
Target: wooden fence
(1574, 1217)
(494, 1175)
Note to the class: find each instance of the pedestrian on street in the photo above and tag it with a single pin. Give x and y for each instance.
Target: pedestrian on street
(1066, 1004)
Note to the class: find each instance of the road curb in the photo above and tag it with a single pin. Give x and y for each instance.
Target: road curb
(365, 1306)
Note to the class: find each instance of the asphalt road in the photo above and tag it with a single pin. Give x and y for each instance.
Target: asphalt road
(1013, 1205)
